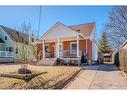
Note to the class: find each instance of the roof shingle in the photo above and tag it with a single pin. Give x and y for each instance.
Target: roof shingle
(84, 29)
(15, 35)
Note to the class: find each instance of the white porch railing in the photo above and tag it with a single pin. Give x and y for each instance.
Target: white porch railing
(71, 53)
(6, 54)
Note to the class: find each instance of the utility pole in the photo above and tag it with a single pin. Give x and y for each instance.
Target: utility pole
(39, 24)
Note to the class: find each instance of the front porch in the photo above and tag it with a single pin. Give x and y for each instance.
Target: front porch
(6, 54)
(63, 54)
(64, 48)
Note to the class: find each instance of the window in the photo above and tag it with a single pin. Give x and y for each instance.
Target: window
(10, 49)
(5, 37)
(73, 46)
(16, 50)
(6, 49)
(32, 39)
(47, 48)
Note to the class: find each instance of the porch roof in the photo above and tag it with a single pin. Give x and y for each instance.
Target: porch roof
(60, 31)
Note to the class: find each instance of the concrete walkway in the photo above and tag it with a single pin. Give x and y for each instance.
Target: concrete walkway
(99, 77)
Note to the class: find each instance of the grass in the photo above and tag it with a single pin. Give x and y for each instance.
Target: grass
(55, 78)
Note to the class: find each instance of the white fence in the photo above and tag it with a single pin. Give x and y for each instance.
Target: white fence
(6, 54)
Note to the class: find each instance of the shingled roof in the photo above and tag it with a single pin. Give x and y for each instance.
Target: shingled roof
(84, 29)
(1, 41)
(15, 35)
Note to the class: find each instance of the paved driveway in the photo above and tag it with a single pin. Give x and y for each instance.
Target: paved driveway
(99, 77)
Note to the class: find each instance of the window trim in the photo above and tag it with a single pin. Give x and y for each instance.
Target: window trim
(5, 38)
(32, 39)
(71, 45)
(48, 47)
(10, 49)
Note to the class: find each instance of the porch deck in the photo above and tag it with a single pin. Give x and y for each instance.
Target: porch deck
(6, 54)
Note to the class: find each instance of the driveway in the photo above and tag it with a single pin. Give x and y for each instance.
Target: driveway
(105, 76)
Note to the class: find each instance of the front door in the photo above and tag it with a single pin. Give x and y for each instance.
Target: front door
(59, 52)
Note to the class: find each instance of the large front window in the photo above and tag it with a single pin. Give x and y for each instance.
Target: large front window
(73, 48)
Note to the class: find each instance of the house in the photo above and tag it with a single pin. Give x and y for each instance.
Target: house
(12, 41)
(1, 44)
(122, 56)
(62, 41)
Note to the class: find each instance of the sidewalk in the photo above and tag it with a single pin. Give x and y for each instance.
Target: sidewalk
(99, 77)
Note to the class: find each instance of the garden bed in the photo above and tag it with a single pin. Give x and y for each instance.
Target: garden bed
(55, 78)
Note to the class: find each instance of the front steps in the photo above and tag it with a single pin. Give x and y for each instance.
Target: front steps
(51, 61)
(47, 61)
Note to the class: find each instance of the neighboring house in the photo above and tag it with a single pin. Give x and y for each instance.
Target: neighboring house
(12, 41)
(1, 44)
(62, 41)
(124, 45)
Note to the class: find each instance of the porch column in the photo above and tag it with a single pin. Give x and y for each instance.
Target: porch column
(86, 45)
(58, 49)
(77, 45)
(43, 42)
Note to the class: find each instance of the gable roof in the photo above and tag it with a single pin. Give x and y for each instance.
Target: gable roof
(84, 29)
(1, 41)
(15, 35)
(59, 25)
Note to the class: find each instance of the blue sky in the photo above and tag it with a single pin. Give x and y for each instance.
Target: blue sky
(14, 16)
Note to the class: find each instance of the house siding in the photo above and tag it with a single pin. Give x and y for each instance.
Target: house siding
(89, 50)
(52, 49)
(2, 47)
(9, 42)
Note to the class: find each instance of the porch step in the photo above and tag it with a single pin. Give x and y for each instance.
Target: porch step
(47, 61)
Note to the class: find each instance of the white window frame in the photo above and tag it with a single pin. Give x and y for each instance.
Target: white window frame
(71, 46)
(48, 47)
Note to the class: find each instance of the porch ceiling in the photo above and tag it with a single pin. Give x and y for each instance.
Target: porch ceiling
(63, 39)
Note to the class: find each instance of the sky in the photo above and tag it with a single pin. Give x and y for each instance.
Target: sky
(14, 16)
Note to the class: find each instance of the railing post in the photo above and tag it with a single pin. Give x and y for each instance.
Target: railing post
(77, 45)
(43, 42)
(58, 49)
(86, 46)
(6, 54)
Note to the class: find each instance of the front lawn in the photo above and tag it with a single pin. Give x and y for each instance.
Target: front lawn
(55, 78)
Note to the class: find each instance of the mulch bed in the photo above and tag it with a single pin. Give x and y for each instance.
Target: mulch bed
(25, 77)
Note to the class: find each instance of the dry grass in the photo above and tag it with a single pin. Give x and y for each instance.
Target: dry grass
(55, 77)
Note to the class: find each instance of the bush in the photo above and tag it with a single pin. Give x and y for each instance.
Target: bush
(24, 71)
(58, 62)
(116, 59)
(100, 58)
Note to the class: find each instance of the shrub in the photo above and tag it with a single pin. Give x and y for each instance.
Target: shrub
(58, 62)
(116, 59)
(100, 58)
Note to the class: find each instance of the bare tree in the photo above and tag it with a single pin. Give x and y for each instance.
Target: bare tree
(116, 28)
(24, 48)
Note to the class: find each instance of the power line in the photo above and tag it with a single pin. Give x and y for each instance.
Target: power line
(39, 24)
